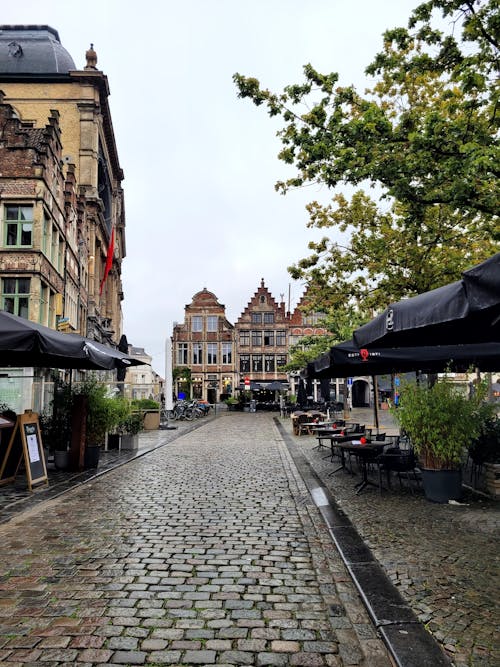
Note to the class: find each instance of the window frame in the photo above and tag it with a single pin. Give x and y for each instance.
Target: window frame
(18, 224)
(196, 320)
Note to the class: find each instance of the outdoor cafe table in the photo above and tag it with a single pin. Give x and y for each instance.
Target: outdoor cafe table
(337, 439)
(365, 453)
(325, 432)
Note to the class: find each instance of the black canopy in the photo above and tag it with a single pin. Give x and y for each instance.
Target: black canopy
(347, 359)
(466, 311)
(26, 343)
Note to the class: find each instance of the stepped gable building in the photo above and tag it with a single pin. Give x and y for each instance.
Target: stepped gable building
(303, 323)
(61, 199)
(262, 339)
(204, 343)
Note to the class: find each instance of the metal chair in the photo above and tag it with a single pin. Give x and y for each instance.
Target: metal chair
(402, 462)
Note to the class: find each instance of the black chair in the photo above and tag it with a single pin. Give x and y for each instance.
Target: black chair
(400, 461)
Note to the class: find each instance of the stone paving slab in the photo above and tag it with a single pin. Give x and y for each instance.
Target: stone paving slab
(442, 558)
(208, 550)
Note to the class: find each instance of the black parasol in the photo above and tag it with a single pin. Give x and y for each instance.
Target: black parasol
(26, 343)
(466, 311)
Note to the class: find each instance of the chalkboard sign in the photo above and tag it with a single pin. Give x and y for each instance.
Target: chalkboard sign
(25, 441)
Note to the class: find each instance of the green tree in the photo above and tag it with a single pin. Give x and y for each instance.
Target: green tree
(425, 136)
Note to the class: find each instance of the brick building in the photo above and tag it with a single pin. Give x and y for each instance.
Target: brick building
(204, 343)
(262, 339)
(61, 200)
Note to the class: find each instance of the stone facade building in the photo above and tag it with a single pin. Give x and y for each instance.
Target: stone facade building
(61, 200)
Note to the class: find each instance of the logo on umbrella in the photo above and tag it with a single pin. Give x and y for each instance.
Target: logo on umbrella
(364, 354)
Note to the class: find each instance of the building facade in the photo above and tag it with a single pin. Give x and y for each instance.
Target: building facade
(61, 199)
(262, 340)
(204, 343)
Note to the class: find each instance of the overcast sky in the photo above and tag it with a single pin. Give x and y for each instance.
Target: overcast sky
(200, 164)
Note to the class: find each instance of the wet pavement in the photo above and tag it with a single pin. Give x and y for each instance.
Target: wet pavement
(443, 558)
(208, 548)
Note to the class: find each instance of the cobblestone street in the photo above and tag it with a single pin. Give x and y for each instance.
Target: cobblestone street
(208, 550)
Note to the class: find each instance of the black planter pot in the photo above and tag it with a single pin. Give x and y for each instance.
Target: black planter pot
(91, 456)
(440, 486)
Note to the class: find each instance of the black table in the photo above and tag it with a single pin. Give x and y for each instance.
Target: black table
(366, 454)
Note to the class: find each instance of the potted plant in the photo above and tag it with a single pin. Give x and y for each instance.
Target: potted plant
(103, 415)
(130, 427)
(441, 422)
(55, 424)
(232, 403)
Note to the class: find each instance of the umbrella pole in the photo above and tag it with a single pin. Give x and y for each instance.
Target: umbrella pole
(375, 401)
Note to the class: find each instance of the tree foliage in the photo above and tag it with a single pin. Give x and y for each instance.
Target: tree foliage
(425, 136)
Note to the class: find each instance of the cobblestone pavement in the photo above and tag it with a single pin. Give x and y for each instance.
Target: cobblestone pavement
(206, 551)
(443, 558)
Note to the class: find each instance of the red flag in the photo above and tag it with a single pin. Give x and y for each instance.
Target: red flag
(109, 259)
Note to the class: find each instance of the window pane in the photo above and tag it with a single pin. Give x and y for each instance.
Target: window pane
(268, 318)
(23, 286)
(11, 212)
(196, 322)
(256, 338)
(256, 363)
(26, 213)
(23, 307)
(256, 318)
(268, 337)
(26, 234)
(11, 235)
(9, 304)
(212, 323)
(9, 285)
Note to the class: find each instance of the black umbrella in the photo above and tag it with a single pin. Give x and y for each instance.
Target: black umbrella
(301, 394)
(275, 385)
(466, 311)
(122, 347)
(346, 359)
(26, 343)
(325, 389)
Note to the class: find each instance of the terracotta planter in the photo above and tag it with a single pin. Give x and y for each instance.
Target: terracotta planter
(440, 486)
(152, 420)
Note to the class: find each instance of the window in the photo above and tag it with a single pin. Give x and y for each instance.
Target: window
(256, 338)
(280, 360)
(256, 318)
(281, 338)
(196, 323)
(244, 363)
(227, 353)
(46, 234)
(269, 318)
(182, 354)
(212, 322)
(256, 363)
(197, 353)
(244, 337)
(269, 363)
(15, 296)
(268, 338)
(211, 353)
(44, 304)
(19, 226)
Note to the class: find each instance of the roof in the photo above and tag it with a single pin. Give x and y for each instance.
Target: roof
(32, 49)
